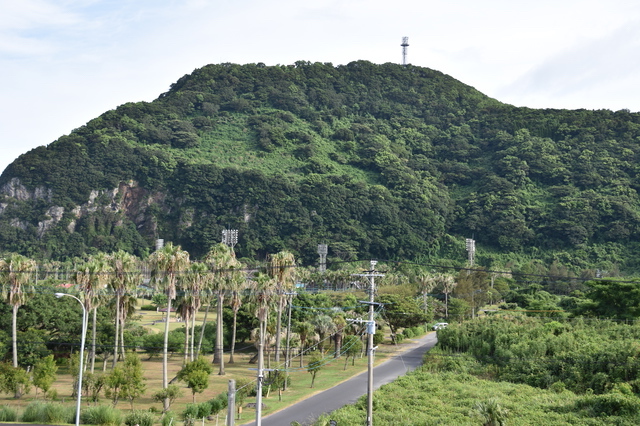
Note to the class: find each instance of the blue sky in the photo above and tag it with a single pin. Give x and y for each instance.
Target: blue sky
(64, 62)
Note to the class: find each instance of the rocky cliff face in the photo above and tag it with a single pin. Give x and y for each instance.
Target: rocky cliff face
(128, 199)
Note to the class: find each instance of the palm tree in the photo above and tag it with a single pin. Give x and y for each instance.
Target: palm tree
(16, 271)
(304, 330)
(237, 282)
(323, 325)
(448, 284)
(225, 267)
(92, 278)
(193, 285)
(168, 264)
(426, 283)
(262, 296)
(281, 269)
(124, 279)
(339, 325)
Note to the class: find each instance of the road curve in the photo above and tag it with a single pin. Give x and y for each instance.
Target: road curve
(348, 392)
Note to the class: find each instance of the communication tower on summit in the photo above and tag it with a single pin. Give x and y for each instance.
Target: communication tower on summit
(405, 44)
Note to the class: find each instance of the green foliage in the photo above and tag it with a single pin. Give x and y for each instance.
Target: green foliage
(579, 356)
(171, 392)
(314, 366)
(139, 418)
(8, 414)
(380, 161)
(196, 375)
(125, 380)
(48, 413)
(13, 381)
(612, 299)
(44, 373)
(101, 415)
(491, 412)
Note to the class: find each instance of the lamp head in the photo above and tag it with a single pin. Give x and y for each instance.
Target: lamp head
(59, 295)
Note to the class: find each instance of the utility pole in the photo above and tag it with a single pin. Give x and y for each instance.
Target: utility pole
(260, 376)
(231, 403)
(371, 331)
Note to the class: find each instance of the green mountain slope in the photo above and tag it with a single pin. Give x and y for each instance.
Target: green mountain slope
(377, 161)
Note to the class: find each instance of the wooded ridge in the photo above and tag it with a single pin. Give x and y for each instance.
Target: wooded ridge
(377, 161)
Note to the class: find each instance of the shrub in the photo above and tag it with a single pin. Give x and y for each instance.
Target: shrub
(148, 308)
(139, 417)
(168, 418)
(610, 404)
(190, 414)
(7, 414)
(102, 415)
(378, 337)
(40, 412)
(407, 333)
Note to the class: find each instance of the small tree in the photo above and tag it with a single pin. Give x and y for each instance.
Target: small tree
(92, 384)
(168, 394)
(314, 366)
(44, 374)
(126, 381)
(196, 375)
(352, 348)
(13, 379)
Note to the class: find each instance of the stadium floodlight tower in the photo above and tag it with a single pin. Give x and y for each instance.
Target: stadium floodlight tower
(322, 251)
(405, 44)
(230, 237)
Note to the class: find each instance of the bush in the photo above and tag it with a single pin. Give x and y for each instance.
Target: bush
(139, 417)
(378, 337)
(219, 403)
(148, 308)
(7, 414)
(40, 412)
(408, 333)
(610, 404)
(102, 415)
(168, 418)
(418, 330)
(190, 414)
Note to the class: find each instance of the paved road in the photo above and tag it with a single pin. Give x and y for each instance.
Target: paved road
(349, 391)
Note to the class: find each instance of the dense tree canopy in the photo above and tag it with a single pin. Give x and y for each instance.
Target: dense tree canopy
(387, 161)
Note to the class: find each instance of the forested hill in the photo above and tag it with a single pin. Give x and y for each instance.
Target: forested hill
(379, 161)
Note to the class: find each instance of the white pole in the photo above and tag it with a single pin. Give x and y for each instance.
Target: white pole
(84, 332)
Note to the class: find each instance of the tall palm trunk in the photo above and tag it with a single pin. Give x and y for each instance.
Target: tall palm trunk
(233, 334)
(204, 324)
(93, 338)
(165, 379)
(14, 336)
(278, 329)
(115, 346)
(219, 355)
(193, 336)
(185, 359)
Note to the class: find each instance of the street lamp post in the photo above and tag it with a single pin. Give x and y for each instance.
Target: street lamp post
(84, 332)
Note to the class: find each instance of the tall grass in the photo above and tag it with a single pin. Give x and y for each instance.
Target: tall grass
(102, 415)
(8, 414)
(140, 418)
(48, 412)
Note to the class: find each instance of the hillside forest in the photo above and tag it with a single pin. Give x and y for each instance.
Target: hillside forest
(377, 161)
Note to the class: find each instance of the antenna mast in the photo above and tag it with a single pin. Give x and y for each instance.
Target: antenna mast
(405, 44)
